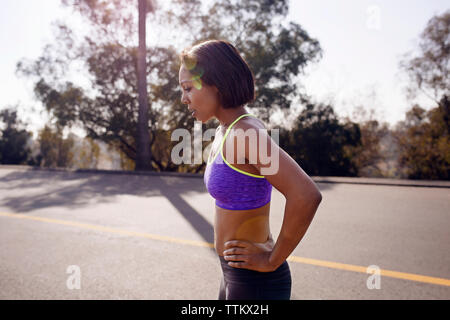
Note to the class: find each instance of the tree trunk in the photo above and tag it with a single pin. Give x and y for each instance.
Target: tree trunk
(143, 157)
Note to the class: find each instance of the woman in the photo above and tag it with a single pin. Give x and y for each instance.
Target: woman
(217, 83)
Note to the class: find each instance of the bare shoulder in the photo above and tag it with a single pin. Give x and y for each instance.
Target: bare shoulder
(250, 123)
(249, 131)
(272, 162)
(250, 128)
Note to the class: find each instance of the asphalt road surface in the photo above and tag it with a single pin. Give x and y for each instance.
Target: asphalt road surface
(71, 235)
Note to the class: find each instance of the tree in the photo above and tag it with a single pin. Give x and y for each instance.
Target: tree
(368, 156)
(276, 50)
(86, 152)
(424, 136)
(143, 158)
(318, 142)
(108, 109)
(429, 70)
(54, 149)
(424, 141)
(14, 147)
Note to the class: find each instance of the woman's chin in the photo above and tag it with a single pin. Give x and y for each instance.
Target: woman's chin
(197, 118)
(202, 119)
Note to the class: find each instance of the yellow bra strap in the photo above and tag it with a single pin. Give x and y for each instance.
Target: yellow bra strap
(229, 128)
(226, 134)
(221, 149)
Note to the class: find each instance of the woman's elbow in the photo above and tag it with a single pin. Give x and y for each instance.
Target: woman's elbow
(318, 197)
(315, 199)
(311, 198)
(314, 194)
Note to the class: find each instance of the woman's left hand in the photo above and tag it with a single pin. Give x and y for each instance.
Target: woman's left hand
(249, 255)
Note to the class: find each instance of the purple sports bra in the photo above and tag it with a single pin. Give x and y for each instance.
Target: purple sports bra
(233, 188)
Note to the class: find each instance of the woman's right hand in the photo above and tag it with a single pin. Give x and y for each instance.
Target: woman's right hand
(249, 255)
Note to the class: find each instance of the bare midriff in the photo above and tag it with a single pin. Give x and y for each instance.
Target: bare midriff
(250, 225)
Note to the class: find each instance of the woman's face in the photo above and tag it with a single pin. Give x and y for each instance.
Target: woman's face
(202, 100)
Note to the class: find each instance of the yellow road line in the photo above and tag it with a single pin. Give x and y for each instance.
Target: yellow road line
(110, 230)
(386, 273)
(321, 263)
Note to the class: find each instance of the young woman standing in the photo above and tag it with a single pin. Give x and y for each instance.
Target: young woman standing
(217, 83)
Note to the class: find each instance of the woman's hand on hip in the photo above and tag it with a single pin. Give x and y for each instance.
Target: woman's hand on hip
(249, 255)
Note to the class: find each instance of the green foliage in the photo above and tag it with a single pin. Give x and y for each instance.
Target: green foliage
(55, 150)
(276, 50)
(424, 141)
(13, 140)
(318, 142)
(373, 156)
(428, 71)
(108, 108)
(424, 137)
(86, 154)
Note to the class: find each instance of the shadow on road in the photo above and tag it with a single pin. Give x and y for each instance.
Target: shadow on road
(25, 191)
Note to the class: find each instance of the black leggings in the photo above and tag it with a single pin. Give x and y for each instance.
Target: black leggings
(244, 284)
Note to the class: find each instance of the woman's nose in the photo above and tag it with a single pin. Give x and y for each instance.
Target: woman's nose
(184, 99)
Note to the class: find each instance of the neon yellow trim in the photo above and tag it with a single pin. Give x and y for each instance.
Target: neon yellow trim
(224, 137)
(238, 170)
(221, 149)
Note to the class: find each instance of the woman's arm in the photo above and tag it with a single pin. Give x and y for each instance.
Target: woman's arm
(298, 215)
(302, 200)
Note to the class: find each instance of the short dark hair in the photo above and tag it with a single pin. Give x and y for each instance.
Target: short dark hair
(218, 63)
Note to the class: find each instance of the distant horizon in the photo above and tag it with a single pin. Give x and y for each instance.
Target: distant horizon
(362, 44)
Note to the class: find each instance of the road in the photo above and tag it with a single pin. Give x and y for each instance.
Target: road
(72, 235)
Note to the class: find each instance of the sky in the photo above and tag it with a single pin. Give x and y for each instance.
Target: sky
(362, 44)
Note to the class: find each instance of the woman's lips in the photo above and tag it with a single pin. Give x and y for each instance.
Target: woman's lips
(193, 111)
